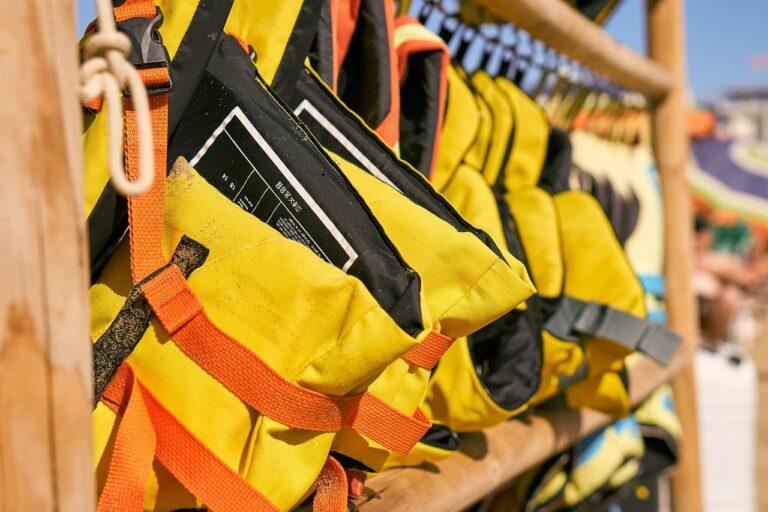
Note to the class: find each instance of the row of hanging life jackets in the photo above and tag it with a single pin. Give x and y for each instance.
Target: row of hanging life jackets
(352, 250)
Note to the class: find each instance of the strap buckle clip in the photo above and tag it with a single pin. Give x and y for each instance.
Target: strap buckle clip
(148, 50)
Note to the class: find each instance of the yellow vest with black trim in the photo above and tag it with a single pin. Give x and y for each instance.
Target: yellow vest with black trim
(430, 235)
(335, 347)
(466, 285)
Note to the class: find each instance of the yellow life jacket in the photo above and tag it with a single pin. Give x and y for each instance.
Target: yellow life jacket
(460, 127)
(422, 61)
(146, 428)
(410, 211)
(262, 356)
(477, 155)
(596, 270)
(467, 287)
(355, 55)
(187, 34)
(491, 375)
(499, 146)
(493, 148)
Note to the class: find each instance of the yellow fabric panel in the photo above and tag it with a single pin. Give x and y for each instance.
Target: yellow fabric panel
(460, 126)
(473, 198)
(316, 340)
(177, 15)
(267, 27)
(478, 152)
(502, 123)
(466, 285)
(539, 229)
(529, 148)
(457, 398)
(561, 359)
(95, 158)
(601, 274)
(605, 391)
(654, 412)
(553, 487)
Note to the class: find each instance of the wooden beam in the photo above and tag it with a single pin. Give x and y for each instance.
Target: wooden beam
(666, 46)
(45, 353)
(491, 459)
(565, 30)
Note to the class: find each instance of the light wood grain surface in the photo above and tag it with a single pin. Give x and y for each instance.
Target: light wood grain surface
(45, 364)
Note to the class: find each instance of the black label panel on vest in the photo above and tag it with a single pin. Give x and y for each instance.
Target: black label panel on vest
(241, 165)
(341, 145)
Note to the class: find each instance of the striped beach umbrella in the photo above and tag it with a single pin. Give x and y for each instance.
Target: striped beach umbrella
(731, 175)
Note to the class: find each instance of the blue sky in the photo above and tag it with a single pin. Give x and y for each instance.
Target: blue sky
(722, 37)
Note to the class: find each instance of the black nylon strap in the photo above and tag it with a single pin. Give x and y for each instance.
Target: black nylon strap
(653, 340)
(126, 330)
(298, 47)
(191, 59)
(560, 323)
(581, 373)
(106, 223)
(574, 319)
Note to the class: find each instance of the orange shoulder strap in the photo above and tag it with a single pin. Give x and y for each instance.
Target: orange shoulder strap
(133, 453)
(206, 476)
(331, 494)
(247, 376)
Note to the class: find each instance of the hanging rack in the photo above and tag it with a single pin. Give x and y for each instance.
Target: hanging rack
(491, 459)
(569, 33)
(45, 359)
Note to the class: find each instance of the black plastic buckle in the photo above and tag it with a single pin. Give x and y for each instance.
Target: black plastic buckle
(147, 48)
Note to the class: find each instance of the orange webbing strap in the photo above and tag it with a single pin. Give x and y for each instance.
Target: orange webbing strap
(132, 456)
(234, 365)
(206, 476)
(135, 9)
(252, 380)
(427, 353)
(331, 493)
(395, 431)
(145, 212)
(94, 104)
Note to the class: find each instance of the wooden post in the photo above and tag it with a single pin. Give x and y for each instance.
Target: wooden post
(666, 46)
(45, 352)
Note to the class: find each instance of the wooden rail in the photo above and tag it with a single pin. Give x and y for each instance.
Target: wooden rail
(565, 30)
(45, 352)
(489, 460)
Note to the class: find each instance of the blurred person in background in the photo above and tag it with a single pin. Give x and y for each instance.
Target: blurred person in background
(730, 267)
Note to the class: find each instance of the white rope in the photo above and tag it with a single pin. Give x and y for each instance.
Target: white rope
(105, 72)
